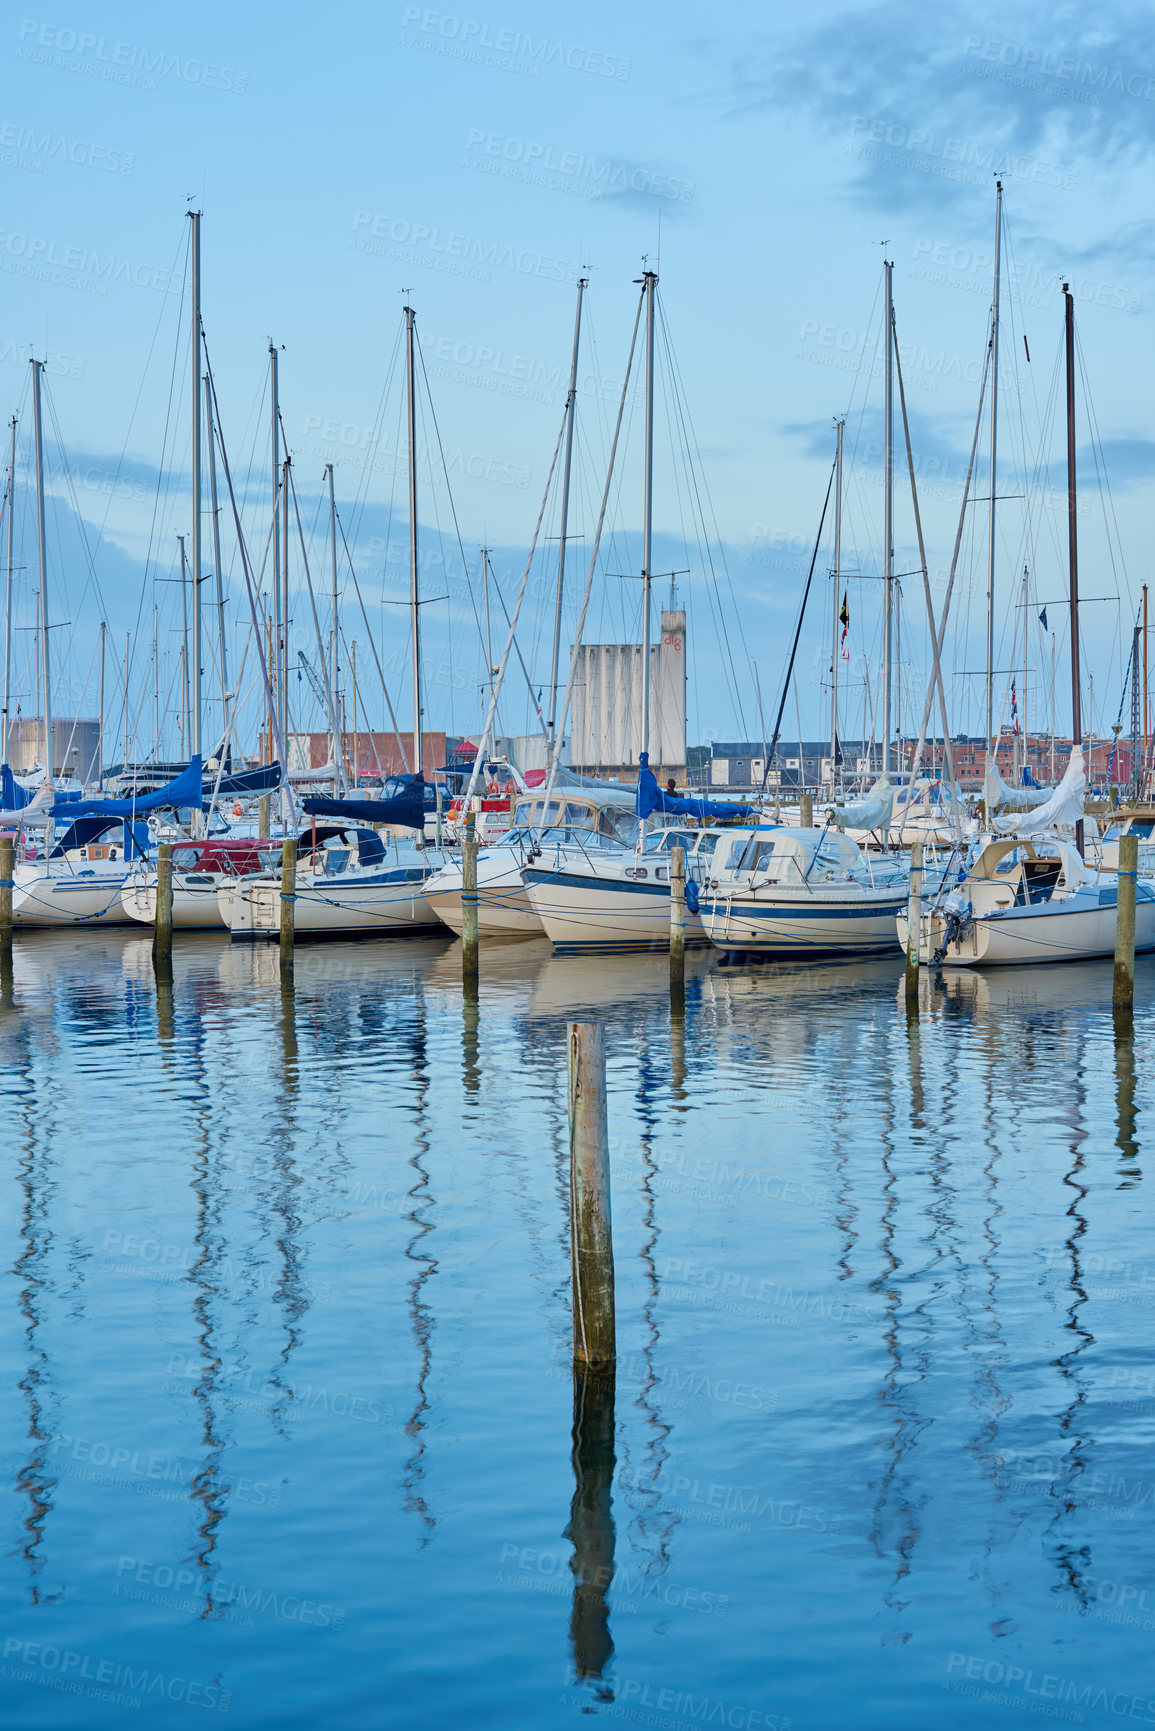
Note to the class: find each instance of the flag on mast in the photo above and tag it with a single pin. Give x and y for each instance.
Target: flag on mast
(844, 621)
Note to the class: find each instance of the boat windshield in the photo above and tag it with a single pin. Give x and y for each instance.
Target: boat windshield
(665, 840)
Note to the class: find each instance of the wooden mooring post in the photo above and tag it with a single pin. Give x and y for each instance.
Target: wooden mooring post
(288, 899)
(591, 1232)
(162, 929)
(7, 874)
(807, 805)
(913, 926)
(263, 818)
(469, 905)
(1123, 995)
(677, 926)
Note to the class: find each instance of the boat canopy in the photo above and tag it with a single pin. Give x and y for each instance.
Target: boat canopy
(998, 792)
(84, 830)
(801, 848)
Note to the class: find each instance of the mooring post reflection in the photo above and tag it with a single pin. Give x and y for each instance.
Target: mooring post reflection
(591, 1523)
(1126, 1116)
(470, 1044)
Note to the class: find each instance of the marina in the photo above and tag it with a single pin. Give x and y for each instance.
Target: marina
(577, 871)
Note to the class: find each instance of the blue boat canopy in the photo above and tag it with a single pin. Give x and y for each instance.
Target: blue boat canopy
(651, 798)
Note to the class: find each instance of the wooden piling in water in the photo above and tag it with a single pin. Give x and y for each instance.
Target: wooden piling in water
(162, 929)
(263, 818)
(288, 899)
(677, 921)
(807, 805)
(7, 874)
(1123, 995)
(591, 1232)
(469, 904)
(913, 925)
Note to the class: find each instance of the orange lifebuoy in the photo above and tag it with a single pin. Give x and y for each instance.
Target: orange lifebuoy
(491, 789)
(236, 808)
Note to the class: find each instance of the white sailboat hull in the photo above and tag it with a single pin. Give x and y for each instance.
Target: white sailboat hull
(67, 895)
(503, 906)
(788, 924)
(581, 911)
(1070, 931)
(378, 904)
(195, 903)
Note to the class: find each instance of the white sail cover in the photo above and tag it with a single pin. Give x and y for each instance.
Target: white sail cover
(873, 811)
(35, 814)
(998, 793)
(1065, 804)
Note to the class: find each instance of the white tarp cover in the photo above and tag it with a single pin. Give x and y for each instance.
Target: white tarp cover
(873, 811)
(35, 814)
(1065, 804)
(997, 792)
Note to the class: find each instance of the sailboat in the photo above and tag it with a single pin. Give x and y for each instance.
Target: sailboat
(1029, 895)
(347, 883)
(618, 898)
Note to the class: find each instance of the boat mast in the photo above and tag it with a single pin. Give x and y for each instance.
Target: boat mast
(994, 454)
(1145, 711)
(837, 612)
(650, 280)
(285, 613)
(195, 219)
(126, 642)
(333, 648)
(1073, 535)
(488, 642)
(8, 593)
(42, 548)
(100, 725)
(217, 562)
(571, 401)
(183, 650)
(276, 720)
(888, 521)
(414, 595)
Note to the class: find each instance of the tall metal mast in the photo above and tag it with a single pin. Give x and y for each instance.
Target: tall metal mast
(275, 669)
(571, 401)
(217, 560)
(8, 592)
(195, 219)
(485, 615)
(837, 609)
(994, 455)
(285, 612)
(333, 644)
(42, 547)
(100, 726)
(414, 595)
(650, 279)
(184, 706)
(888, 523)
(1073, 536)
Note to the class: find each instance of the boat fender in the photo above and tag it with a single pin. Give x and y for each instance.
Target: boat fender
(692, 902)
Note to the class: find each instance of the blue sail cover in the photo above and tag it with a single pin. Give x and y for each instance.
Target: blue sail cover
(13, 797)
(185, 790)
(408, 808)
(260, 780)
(651, 798)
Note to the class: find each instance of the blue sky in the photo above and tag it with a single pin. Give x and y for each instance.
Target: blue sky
(478, 161)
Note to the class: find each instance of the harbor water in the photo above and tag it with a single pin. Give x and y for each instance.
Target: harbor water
(290, 1431)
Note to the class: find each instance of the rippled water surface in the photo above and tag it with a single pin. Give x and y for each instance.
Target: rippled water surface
(288, 1427)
